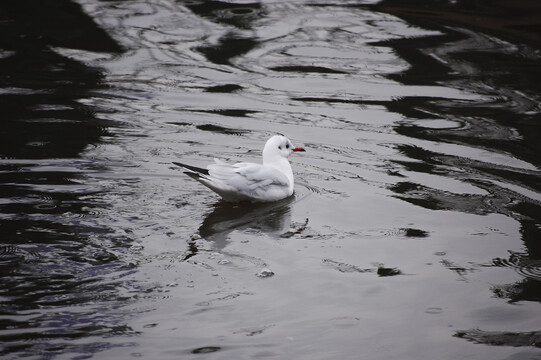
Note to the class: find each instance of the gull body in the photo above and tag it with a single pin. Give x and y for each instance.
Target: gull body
(272, 180)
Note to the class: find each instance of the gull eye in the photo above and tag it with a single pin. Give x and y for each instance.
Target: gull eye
(287, 146)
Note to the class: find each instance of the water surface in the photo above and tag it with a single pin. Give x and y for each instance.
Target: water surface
(413, 232)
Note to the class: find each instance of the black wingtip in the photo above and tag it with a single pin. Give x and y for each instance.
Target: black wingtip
(192, 168)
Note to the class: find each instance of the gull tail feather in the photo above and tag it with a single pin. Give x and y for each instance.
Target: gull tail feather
(193, 171)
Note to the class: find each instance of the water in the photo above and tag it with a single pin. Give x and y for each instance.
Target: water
(413, 233)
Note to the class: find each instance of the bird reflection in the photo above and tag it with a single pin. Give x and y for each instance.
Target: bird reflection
(273, 219)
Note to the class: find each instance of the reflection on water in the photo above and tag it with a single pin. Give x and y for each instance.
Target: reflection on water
(269, 218)
(421, 183)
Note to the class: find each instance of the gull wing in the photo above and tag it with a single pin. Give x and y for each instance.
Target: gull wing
(249, 181)
(241, 181)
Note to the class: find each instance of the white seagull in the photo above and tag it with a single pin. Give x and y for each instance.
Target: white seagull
(270, 181)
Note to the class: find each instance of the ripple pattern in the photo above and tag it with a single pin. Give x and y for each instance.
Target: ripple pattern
(523, 264)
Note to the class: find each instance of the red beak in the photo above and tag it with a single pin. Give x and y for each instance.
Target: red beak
(298, 149)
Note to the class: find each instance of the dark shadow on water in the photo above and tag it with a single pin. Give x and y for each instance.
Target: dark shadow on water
(54, 254)
(526, 264)
(228, 47)
(232, 44)
(41, 117)
(242, 15)
(517, 21)
(501, 338)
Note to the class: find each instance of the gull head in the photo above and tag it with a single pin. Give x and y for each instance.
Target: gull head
(278, 147)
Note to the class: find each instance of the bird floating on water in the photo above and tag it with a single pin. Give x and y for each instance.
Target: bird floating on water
(270, 181)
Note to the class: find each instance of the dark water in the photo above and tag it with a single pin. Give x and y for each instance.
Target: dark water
(415, 229)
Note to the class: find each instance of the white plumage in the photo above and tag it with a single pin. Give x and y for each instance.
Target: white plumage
(270, 181)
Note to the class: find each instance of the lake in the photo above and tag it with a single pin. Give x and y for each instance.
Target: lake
(415, 227)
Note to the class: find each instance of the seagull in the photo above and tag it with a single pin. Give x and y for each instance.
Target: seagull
(270, 181)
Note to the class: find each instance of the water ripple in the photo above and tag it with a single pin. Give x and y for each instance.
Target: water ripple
(419, 138)
(523, 264)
